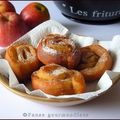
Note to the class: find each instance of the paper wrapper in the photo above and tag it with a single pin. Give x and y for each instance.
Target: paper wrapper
(93, 89)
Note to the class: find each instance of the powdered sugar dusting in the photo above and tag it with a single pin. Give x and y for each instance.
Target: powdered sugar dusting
(58, 71)
(49, 50)
(61, 40)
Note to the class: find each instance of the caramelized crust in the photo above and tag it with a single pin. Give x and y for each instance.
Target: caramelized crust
(59, 43)
(23, 60)
(57, 80)
(60, 50)
(95, 60)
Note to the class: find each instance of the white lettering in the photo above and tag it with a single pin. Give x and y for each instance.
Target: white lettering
(94, 14)
(78, 12)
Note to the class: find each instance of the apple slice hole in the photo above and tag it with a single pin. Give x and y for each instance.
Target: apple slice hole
(24, 54)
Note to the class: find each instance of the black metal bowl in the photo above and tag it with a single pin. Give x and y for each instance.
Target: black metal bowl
(100, 11)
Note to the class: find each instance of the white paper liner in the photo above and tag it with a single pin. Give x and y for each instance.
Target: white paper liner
(34, 36)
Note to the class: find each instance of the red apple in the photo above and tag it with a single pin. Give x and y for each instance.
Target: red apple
(11, 28)
(6, 6)
(34, 14)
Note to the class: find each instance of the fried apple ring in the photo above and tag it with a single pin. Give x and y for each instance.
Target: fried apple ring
(55, 48)
(95, 60)
(23, 60)
(56, 80)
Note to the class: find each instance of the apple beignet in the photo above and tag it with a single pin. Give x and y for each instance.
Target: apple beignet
(95, 60)
(55, 48)
(23, 60)
(57, 80)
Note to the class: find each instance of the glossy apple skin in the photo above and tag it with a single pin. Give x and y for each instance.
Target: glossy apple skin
(12, 27)
(6, 6)
(34, 14)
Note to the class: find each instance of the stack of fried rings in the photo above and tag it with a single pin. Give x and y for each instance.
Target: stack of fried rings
(91, 61)
(70, 56)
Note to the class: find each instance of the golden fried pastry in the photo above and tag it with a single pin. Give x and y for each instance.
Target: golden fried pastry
(58, 49)
(94, 61)
(23, 60)
(57, 80)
